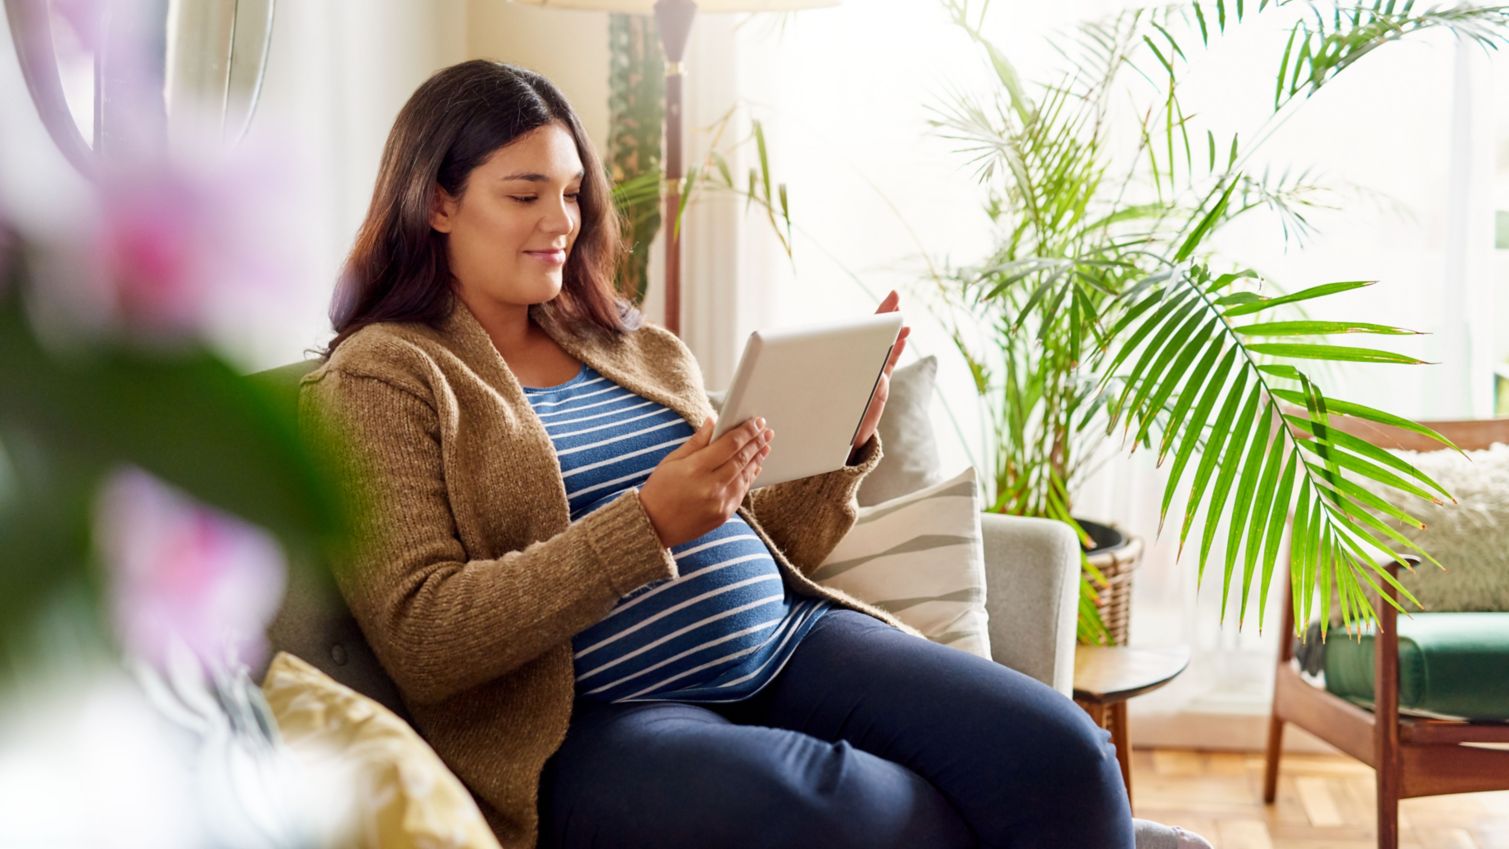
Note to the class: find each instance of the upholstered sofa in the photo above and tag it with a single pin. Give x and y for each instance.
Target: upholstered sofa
(1032, 568)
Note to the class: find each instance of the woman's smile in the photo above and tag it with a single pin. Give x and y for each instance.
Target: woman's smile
(554, 256)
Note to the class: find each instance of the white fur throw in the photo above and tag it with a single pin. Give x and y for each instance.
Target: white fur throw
(1470, 538)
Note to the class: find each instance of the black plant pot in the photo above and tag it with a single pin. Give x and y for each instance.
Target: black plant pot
(1105, 538)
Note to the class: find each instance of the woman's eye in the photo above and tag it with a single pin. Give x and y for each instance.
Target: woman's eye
(521, 199)
(573, 196)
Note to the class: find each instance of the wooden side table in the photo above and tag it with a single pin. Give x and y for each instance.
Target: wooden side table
(1105, 677)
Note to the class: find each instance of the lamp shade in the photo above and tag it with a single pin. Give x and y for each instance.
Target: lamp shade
(646, 7)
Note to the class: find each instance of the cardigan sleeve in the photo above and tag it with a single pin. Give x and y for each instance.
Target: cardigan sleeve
(807, 518)
(439, 623)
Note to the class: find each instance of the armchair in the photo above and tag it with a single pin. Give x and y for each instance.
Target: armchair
(1412, 756)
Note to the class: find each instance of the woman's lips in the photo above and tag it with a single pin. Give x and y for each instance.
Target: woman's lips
(555, 257)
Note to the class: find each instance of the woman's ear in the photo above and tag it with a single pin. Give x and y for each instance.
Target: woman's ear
(442, 209)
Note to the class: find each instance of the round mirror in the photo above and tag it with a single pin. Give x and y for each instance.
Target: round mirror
(87, 65)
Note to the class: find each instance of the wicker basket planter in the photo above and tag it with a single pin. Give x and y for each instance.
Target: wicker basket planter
(1117, 556)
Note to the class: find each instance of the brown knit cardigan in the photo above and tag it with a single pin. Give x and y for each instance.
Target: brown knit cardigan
(467, 575)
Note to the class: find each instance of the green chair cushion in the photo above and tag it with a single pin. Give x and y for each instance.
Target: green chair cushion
(1450, 664)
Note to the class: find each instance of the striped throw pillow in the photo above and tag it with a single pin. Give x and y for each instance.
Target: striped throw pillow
(920, 557)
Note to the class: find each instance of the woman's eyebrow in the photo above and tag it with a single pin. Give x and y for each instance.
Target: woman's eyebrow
(535, 177)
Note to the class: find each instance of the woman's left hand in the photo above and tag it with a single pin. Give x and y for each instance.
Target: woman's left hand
(883, 387)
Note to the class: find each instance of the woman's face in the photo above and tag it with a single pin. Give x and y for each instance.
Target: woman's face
(517, 218)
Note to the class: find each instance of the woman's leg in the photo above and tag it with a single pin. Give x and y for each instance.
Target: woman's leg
(666, 775)
(1025, 767)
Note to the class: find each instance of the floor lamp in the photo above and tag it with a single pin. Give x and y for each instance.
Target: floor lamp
(673, 20)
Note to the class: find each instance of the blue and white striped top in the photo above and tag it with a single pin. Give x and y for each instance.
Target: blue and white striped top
(720, 631)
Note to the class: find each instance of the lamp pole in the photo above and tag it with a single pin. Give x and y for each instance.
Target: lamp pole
(673, 19)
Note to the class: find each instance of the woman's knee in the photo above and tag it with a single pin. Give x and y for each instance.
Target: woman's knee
(834, 795)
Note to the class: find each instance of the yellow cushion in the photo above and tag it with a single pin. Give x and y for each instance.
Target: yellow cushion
(405, 797)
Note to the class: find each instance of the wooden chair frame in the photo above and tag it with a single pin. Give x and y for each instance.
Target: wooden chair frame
(1411, 757)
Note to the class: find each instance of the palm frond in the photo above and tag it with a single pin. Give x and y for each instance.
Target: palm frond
(1321, 46)
(1264, 444)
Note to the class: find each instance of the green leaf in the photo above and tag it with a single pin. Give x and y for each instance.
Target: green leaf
(1259, 516)
(185, 416)
(1287, 372)
(1295, 350)
(1301, 549)
(1359, 411)
(1212, 215)
(1220, 434)
(1207, 337)
(723, 170)
(1367, 449)
(1283, 65)
(1167, 66)
(1319, 328)
(1172, 311)
(1247, 480)
(1211, 377)
(1191, 436)
(1303, 295)
(1276, 520)
(686, 195)
(1366, 560)
(1372, 471)
(1356, 517)
(1324, 571)
(1230, 465)
(764, 158)
(1237, 298)
(1152, 299)
(1156, 357)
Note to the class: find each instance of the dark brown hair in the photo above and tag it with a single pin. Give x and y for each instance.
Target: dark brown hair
(397, 269)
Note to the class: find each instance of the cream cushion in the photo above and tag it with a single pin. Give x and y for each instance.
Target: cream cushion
(920, 557)
(1470, 538)
(404, 796)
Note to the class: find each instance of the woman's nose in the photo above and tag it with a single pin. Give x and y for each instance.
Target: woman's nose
(561, 218)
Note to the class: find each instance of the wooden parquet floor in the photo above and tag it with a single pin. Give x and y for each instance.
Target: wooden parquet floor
(1324, 802)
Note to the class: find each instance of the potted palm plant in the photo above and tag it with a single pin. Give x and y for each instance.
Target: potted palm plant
(1104, 306)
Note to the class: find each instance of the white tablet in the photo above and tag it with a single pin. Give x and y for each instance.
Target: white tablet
(812, 384)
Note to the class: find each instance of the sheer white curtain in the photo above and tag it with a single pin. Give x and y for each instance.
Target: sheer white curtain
(844, 93)
(337, 74)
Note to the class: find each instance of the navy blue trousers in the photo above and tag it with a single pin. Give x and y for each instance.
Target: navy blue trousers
(867, 738)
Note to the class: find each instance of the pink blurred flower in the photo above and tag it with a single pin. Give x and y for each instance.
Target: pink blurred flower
(174, 233)
(191, 241)
(178, 570)
(194, 244)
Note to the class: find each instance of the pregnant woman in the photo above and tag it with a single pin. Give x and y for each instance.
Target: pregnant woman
(596, 624)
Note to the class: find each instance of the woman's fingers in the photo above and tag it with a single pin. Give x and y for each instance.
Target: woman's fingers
(729, 471)
(727, 447)
(752, 470)
(891, 303)
(697, 441)
(897, 349)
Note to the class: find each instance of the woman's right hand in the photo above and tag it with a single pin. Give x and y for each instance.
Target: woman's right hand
(697, 487)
